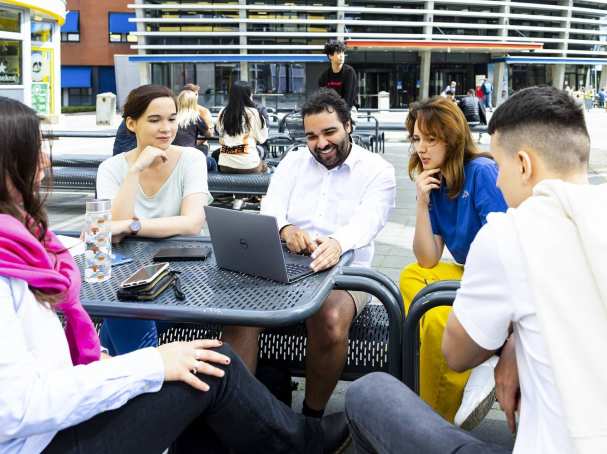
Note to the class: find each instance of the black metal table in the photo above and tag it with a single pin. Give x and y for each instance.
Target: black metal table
(213, 295)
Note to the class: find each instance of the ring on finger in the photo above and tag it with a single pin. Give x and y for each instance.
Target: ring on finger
(194, 370)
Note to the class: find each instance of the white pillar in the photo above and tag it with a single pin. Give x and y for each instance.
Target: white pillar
(26, 58)
(603, 82)
(56, 45)
(558, 76)
(242, 27)
(500, 82)
(424, 74)
(340, 29)
(144, 73)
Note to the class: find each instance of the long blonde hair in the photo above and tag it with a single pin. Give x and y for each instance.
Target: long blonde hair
(187, 108)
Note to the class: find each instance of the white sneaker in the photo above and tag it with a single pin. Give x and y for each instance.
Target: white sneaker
(479, 395)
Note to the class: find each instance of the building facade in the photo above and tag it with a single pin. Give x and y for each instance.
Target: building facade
(30, 53)
(409, 48)
(94, 31)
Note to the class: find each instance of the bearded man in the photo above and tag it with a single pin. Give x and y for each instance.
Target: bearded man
(330, 200)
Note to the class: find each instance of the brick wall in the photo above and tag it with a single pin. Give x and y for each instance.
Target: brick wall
(94, 48)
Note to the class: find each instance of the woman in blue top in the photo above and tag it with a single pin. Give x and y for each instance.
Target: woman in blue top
(455, 192)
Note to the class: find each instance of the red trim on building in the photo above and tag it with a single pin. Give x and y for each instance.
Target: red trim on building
(427, 44)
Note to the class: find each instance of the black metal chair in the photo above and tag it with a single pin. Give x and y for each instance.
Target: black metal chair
(441, 293)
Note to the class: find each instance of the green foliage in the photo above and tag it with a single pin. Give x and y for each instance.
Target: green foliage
(77, 109)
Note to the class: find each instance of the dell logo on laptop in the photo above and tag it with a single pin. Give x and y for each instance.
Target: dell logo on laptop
(244, 244)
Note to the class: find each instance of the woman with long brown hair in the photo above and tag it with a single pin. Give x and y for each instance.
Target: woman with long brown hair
(456, 191)
(58, 396)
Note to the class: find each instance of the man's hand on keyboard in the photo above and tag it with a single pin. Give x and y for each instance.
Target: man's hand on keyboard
(298, 240)
(326, 255)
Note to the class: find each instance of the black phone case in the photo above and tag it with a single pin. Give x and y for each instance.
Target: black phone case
(161, 257)
(149, 291)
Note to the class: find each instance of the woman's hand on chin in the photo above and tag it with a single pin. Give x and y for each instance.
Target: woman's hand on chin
(148, 156)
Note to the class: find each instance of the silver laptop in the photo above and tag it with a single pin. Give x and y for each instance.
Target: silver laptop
(250, 243)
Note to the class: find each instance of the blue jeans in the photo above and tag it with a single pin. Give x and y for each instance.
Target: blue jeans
(237, 413)
(124, 335)
(211, 165)
(487, 101)
(386, 417)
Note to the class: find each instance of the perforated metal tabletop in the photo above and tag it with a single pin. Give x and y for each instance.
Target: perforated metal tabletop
(212, 294)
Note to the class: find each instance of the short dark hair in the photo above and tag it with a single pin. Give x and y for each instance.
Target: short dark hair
(333, 46)
(326, 100)
(547, 120)
(471, 91)
(140, 98)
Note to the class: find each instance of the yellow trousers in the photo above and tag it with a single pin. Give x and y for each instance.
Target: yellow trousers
(440, 387)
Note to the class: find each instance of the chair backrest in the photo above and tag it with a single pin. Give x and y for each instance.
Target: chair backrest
(293, 126)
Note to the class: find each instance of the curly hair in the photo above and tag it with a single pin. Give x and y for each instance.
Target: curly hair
(332, 46)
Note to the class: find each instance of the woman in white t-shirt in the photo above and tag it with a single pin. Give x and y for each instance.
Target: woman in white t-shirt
(241, 128)
(59, 394)
(157, 190)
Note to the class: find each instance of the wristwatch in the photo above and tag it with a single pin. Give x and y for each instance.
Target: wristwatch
(135, 226)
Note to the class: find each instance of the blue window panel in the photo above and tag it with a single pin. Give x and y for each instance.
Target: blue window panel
(75, 77)
(119, 23)
(107, 79)
(72, 23)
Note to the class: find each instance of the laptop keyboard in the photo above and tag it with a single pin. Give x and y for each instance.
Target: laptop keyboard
(295, 271)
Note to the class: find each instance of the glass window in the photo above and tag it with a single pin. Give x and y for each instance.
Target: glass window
(42, 32)
(70, 30)
(122, 38)
(10, 62)
(70, 37)
(80, 96)
(10, 20)
(120, 26)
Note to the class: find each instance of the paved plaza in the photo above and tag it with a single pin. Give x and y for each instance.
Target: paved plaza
(394, 244)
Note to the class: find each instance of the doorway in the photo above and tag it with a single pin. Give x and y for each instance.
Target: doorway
(371, 82)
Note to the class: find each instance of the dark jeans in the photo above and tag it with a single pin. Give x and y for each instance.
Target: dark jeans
(237, 410)
(487, 101)
(387, 417)
(124, 335)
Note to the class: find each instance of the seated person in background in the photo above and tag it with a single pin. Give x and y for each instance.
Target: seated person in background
(59, 397)
(450, 90)
(241, 127)
(473, 108)
(330, 200)
(534, 284)
(204, 113)
(157, 190)
(191, 126)
(455, 192)
(124, 141)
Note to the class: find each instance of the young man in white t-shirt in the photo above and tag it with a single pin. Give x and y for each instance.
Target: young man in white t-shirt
(541, 145)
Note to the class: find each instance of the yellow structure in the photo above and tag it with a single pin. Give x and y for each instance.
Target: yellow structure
(30, 40)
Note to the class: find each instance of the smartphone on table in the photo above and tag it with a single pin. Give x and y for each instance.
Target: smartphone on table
(145, 275)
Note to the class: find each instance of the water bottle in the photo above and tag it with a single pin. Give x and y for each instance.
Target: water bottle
(98, 240)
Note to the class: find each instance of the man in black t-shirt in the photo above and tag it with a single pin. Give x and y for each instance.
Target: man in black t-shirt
(338, 76)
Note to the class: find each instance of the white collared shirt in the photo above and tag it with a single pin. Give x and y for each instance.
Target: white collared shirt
(41, 392)
(350, 203)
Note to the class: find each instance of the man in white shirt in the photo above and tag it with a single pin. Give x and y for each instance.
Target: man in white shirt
(334, 198)
(525, 272)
